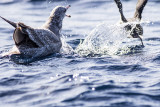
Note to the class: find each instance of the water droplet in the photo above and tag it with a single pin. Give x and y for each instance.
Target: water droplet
(70, 79)
(93, 89)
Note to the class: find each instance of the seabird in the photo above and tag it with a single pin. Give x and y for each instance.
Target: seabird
(41, 41)
(136, 30)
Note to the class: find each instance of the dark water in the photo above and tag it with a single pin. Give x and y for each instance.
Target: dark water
(119, 80)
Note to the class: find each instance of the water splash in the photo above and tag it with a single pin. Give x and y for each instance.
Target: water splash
(66, 48)
(106, 40)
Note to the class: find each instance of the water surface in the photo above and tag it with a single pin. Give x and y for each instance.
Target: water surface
(129, 79)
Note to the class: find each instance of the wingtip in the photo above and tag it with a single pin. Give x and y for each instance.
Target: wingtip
(10, 22)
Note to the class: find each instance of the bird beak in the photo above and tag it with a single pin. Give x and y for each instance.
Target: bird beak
(67, 9)
(68, 16)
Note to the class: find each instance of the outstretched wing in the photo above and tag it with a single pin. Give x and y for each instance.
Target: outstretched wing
(120, 7)
(139, 8)
(10, 22)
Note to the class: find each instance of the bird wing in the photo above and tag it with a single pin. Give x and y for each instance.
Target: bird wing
(120, 7)
(139, 8)
(47, 41)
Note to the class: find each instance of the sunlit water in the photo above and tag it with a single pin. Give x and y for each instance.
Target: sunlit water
(106, 70)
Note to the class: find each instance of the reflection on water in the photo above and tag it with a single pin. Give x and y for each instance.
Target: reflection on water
(114, 72)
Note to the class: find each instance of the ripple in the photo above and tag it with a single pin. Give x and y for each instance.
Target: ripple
(123, 68)
(133, 94)
(116, 72)
(153, 39)
(8, 2)
(76, 61)
(156, 59)
(119, 67)
(108, 87)
(62, 79)
(26, 98)
(9, 82)
(11, 93)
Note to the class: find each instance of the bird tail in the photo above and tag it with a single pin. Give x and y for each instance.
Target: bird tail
(10, 22)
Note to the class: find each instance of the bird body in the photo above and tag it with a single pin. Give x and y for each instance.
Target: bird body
(37, 42)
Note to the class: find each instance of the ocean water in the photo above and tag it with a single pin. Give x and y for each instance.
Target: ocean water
(106, 70)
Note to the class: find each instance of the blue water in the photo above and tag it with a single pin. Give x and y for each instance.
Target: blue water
(129, 79)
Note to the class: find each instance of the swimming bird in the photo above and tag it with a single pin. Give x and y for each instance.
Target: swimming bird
(37, 42)
(136, 30)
